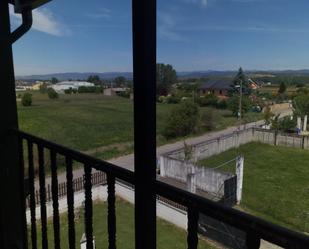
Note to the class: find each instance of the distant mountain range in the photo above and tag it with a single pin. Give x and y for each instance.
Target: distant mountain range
(75, 76)
(192, 74)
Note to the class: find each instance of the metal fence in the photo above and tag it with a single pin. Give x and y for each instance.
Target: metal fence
(254, 228)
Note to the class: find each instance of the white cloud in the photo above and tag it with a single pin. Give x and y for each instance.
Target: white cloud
(99, 14)
(166, 27)
(242, 29)
(43, 21)
(203, 3)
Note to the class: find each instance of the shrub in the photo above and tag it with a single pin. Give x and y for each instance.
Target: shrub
(207, 121)
(268, 115)
(43, 88)
(173, 99)
(68, 91)
(52, 94)
(125, 94)
(90, 89)
(233, 105)
(209, 100)
(182, 121)
(26, 99)
(222, 104)
(287, 124)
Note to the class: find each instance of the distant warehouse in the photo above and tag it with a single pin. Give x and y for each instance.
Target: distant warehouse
(66, 85)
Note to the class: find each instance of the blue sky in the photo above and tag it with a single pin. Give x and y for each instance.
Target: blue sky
(71, 36)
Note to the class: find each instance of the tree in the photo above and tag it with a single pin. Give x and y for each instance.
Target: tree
(287, 124)
(120, 81)
(188, 152)
(166, 77)
(240, 79)
(26, 99)
(95, 79)
(43, 88)
(233, 105)
(54, 80)
(301, 105)
(52, 94)
(182, 121)
(268, 115)
(282, 88)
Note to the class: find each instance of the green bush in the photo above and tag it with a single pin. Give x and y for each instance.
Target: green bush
(207, 121)
(182, 121)
(68, 91)
(125, 94)
(287, 124)
(222, 104)
(208, 100)
(233, 105)
(43, 88)
(26, 99)
(90, 89)
(173, 99)
(52, 94)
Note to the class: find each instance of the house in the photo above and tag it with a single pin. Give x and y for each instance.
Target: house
(21, 151)
(219, 87)
(115, 91)
(66, 85)
(37, 85)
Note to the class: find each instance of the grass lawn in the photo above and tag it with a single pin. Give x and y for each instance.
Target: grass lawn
(276, 182)
(168, 235)
(96, 123)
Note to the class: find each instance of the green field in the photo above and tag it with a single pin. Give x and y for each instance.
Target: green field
(168, 236)
(273, 89)
(276, 182)
(99, 125)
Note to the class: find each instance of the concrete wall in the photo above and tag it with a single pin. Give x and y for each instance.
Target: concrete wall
(165, 211)
(281, 139)
(233, 140)
(216, 146)
(209, 180)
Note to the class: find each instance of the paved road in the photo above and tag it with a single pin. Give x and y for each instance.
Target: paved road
(127, 161)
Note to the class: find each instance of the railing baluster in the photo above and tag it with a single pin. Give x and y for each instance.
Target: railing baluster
(252, 241)
(43, 197)
(23, 190)
(88, 207)
(56, 222)
(193, 216)
(70, 200)
(32, 195)
(111, 217)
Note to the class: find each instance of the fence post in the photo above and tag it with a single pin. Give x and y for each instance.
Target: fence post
(240, 175)
(162, 166)
(191, 178)
(275, 137)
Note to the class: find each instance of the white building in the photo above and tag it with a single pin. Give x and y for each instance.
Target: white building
(66, 85)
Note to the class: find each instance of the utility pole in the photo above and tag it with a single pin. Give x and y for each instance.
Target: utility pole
(240, 100)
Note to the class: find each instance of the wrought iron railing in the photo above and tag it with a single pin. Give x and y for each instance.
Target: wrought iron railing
(256, 229)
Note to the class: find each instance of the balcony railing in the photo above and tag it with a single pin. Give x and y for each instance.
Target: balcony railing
(255, 228)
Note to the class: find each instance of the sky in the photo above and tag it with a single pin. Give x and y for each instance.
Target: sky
(192, 35)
